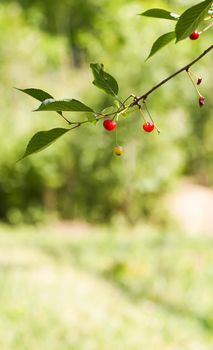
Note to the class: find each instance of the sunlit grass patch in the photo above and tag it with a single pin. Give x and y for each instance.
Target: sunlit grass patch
(105, 291)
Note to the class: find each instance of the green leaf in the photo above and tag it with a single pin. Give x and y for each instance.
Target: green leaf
(38, 94)
(42, 140)
(160, 13)
(104, 80)
(191, 18)
(162, 41)
(63, 105)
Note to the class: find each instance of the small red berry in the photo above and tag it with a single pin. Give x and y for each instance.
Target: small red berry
(148, 126)
(199, 81)
(194, 35)
(118, 150)
(201, 101)
(109, 124)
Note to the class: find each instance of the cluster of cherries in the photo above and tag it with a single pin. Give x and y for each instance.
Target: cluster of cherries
(111, 125)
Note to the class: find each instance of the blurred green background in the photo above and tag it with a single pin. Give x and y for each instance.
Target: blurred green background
(126, 274)
(49, 45)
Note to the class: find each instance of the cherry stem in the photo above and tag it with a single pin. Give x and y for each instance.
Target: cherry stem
(195, 86)
(116, 136)
(205, 29)
(195, 75)
(142, 114)
(132, 95)
(144, 102)
(145, 105)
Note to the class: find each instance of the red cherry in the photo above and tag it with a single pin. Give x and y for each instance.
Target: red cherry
(109, 124)
(148, 126)
(194, 36)
(201, 101)
(199, 80)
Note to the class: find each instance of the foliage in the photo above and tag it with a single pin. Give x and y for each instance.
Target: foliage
(187, 22)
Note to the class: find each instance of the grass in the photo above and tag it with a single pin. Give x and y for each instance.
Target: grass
(105, 291)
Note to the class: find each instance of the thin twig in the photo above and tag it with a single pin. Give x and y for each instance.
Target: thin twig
(61, 114)
(76, 126)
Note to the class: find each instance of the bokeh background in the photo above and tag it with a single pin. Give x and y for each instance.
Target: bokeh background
(98, 252)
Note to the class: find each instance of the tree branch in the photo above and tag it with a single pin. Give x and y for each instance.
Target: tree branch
(142, 97)
(185, 68)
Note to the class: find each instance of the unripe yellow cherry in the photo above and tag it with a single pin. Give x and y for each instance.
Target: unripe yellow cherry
(118, 150)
